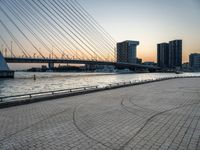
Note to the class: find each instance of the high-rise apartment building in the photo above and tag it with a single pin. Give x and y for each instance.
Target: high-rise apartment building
(169, 55)
(194, 62)
(175, 54)
(163, 55)
(127, 51)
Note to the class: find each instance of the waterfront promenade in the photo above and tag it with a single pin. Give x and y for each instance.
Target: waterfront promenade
(160, 115)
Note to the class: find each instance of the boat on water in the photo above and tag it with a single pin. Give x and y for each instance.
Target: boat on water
(178, 72)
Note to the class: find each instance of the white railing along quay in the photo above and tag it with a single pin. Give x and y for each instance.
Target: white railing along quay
(47, 93)
(120, 84)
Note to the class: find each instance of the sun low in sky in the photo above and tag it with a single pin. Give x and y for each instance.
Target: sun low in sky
(150, 22)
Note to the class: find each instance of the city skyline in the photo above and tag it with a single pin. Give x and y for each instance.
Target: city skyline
(150, 22)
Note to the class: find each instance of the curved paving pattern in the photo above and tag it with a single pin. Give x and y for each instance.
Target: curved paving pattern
(162, 115)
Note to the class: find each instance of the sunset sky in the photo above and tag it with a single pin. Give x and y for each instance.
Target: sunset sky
(150, 22)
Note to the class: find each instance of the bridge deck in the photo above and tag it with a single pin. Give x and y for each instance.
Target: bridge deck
(65, 61)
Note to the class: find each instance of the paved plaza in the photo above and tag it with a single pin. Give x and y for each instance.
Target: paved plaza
(162, 115)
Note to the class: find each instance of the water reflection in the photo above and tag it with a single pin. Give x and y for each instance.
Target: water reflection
(24, 82)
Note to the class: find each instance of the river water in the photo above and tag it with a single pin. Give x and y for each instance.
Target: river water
(24, 83)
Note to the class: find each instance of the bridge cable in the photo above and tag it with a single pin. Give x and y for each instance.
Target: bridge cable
(27, 27)
(81, 30)
(21, 32)
(30, 20)
(72, 21)
(38, 25)
(95, 29)
(12, 54)
(76, 20)
(44, 19)
(58, 24)
(63, 29)
(72, 31)
(89, 24)
(77, 4)
(15, 40)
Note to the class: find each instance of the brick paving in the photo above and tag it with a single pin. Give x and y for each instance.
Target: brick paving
(162, 115)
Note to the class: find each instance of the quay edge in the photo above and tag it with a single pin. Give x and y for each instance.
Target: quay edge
(7, 74)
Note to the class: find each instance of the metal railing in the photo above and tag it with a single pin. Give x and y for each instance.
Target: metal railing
(136, 82)
(47, 93)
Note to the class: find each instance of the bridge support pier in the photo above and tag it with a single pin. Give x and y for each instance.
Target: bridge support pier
(51, 65)
(5, 72)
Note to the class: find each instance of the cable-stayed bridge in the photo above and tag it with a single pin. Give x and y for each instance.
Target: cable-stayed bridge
(49, 31)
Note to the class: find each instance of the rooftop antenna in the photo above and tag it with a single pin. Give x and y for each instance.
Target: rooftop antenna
(52, 51)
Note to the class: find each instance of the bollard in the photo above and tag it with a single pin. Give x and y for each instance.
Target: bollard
(34, 77)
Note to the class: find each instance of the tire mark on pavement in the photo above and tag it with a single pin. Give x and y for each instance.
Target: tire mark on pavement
(81, 131)
(34, 124)
(150, 119)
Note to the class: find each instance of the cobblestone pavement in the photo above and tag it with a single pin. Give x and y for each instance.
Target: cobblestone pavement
(162, 115)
